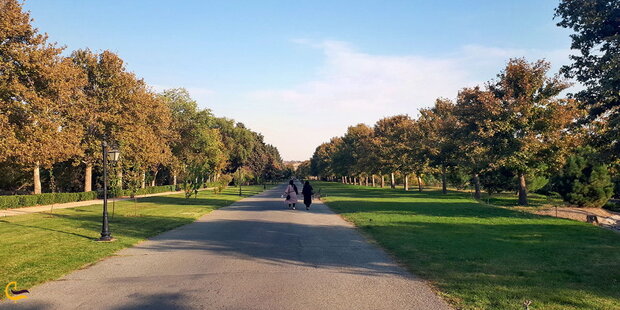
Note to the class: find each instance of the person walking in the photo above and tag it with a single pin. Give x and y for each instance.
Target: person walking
(291, 194)
(307, 191)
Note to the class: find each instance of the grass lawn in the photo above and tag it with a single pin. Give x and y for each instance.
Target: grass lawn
(485, 257)
(39, 247)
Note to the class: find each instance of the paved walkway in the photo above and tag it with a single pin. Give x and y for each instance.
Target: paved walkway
(47, 208)
(255, 254)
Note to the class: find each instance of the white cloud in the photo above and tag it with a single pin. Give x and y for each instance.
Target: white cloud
(352, 87)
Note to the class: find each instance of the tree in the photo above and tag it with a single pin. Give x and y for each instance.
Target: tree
(321, 163)
(584, 181)
(529, 124)
(347, 160)
(437, 125)
(517, 122)
(393, 134)
(39, 93)
(197, 148)
(470, 131)
(597, 38)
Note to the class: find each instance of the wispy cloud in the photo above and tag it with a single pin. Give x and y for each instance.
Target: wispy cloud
(352, 87)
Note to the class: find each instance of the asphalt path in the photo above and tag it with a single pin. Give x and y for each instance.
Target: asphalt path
(254, 254)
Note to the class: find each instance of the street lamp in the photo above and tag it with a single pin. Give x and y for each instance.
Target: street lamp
(111, 155)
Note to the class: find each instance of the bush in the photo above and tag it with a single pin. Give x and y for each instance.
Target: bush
(148, 190)
(457, 178)
(84, 196)
(27, 200)
(537, 183)
(46, 199)
(18, 201)
(583, 181)
(7, 202)
(498, 180)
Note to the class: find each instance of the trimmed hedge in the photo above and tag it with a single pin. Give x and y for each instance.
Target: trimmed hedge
(149, 190)
(18, 201)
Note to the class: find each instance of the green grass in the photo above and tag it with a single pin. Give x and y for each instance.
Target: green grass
(484, 257)
(40, 247)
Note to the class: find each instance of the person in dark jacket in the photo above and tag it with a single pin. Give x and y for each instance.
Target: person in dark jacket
(307, 191)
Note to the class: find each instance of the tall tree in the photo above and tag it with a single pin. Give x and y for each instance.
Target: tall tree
(473, 118)
(39, 93)
(530, 121)
(122, 109)
(393, 134)
(437, 125)
(597, 39)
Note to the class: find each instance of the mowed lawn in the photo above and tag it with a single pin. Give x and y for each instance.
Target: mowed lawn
(39, 247)
(485, 257)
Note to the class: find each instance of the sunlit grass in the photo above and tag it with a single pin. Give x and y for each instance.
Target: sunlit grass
(484, 257)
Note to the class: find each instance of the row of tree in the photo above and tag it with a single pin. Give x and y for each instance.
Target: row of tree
(514, 133)
(56, 110)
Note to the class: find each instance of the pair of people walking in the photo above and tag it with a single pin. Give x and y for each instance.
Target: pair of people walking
(291, 193)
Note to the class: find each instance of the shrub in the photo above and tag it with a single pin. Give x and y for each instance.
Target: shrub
(46, 199)
(28, 200)
(17, 201)
(498, 180)
(7, 202)
(149, 190)
(84, 196)
(537, 183)
(583, 181)
(457, 178)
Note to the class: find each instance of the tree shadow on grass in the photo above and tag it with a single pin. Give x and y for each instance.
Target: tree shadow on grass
(125, 226)
(45, 228)
(428, 208)
(562, 263)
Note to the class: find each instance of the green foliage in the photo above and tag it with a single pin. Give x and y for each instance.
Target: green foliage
(148, 190)
(596, 63)
(18, 201)
(457, 177)
(221, 183)
(8, 202)
(497, 180)
(537, 183)
(583, 181)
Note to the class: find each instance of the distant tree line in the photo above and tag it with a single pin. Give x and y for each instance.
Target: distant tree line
(56, 110)
(514, 133)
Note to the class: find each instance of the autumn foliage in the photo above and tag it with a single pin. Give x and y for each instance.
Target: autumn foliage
(56, 110)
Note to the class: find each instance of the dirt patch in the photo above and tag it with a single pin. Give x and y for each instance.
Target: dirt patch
(605, 218)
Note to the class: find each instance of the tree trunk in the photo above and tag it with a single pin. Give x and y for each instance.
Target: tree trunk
(342, 179)
(419, 183)
(366, 179)
(444, 187)
(143, 180)
(393, 181)
(154, 178)
(406, 181)
(88, 177)
(37, 179)
(522, 190)
(373, 180)
(382, 181)
(119, 176)
(174, 178)
(476, 186)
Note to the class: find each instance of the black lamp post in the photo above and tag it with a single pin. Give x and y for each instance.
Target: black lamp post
(113, 156)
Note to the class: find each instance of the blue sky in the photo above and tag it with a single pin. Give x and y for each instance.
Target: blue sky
(300, 72)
